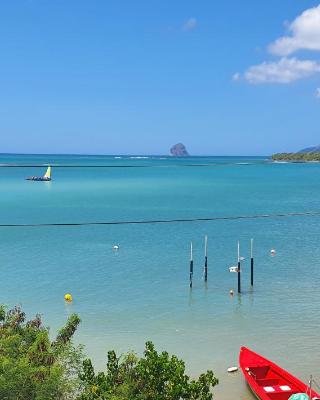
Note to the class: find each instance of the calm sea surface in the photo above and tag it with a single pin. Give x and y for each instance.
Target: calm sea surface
(141, 292)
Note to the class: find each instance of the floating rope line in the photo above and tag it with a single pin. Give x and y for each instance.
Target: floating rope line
(133, 166)
(203, 164)
(165, 221)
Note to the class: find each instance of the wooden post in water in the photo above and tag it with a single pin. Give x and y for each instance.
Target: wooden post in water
(239, 270)
(251, 253)
(206, 258)
(191, 265)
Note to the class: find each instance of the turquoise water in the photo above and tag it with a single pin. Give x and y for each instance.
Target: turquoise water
(142, 291)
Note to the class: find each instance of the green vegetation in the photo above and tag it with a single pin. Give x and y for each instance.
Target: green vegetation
(33, 367)
(156, 376)
(296, 157)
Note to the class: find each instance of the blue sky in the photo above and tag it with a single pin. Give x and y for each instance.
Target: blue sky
(98, 76)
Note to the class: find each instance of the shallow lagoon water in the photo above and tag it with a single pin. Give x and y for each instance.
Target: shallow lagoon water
(141, 292)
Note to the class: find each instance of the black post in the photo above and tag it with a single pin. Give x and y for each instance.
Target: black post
(239, 269)
(251, 262)
(251, 271)
(191, 273)
(239, 278)
(191, 266)
(206, 258)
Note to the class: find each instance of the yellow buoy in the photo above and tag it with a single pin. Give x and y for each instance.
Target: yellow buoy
(68, 297)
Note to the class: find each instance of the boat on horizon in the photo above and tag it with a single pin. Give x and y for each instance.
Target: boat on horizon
(268, 381)
(45, 178)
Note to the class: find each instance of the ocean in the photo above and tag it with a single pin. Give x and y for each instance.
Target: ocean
(141, 291)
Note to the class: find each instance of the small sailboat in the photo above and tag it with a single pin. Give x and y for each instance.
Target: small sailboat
(45, 178)
(268, 381)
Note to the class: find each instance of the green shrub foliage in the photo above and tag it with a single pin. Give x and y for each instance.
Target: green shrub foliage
(156, 376)
(31, 366)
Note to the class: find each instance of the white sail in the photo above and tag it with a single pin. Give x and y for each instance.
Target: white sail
(47, 175)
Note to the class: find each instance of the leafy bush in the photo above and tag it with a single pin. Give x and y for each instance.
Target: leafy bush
(31, 366)
(156, 376)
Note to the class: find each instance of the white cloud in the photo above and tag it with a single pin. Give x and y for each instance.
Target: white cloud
(318, 93)
(236, 76)
(304, 34)
(190, 24)
(285, 70)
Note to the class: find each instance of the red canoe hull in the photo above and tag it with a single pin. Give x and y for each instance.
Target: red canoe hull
(267, 380)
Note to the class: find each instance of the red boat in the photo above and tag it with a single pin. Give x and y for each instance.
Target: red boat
(268, 381)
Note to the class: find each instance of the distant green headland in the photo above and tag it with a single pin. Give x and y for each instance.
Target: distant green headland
(296, 157)
(307, 154)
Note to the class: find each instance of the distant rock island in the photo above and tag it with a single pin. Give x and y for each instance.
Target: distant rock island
(179, 150)
(308, 154)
